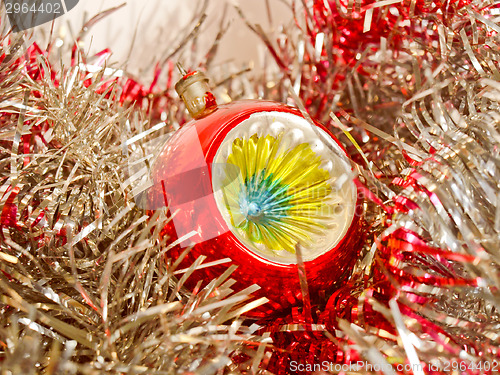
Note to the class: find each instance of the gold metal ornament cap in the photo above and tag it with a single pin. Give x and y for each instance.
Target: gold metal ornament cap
(194, 90)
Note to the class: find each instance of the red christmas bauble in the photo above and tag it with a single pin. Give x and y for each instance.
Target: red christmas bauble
(251, 182)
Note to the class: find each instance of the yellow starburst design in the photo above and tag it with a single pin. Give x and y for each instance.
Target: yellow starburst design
(280, 195)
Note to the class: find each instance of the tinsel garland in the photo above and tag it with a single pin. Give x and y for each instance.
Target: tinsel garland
(413, 90)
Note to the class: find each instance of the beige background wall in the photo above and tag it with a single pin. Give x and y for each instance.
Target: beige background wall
(159, 25)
